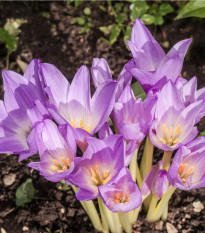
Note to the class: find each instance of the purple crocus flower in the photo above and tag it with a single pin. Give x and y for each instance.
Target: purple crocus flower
(150, 65)
(187, 169)
(155, 181)
(73, 104)
(57, 150)
(174, 123)
(101, 73)
(190, 94)
(21, 93)
(132, 118)
(122, 194)
(100, 163)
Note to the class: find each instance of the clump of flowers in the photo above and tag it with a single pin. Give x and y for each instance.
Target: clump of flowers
(43, 113)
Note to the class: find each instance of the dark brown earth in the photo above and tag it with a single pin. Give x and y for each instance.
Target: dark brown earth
(55, 40)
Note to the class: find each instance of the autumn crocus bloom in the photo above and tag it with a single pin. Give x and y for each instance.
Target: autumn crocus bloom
(100, 163)
(122, 194)
(73, 103)
(150, 65)
(57, 150)
(174, 123)
(155, 181)
(21, 93)
(101, 73)
(190, 94)
(187, 169)
(132, 118)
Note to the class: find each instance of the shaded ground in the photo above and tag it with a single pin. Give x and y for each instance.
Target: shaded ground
(55, 40)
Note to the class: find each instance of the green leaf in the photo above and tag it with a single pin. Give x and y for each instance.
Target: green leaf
(79, 20)
(138, 91)
(118, 7)
(87, 11)
(158, 20)
(127, 34)
(192, 9)
(114, 34)
(10, 41)
(202, 133)
(165, 8)
(77, 3)
(148, 19)
(25, 193)
(107, 29)
(139, 8)
(86, 28)
(121, 18)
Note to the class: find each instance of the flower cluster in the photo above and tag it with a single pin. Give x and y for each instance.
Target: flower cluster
(42, 113)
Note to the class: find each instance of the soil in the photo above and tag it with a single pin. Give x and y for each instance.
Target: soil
(53, 39)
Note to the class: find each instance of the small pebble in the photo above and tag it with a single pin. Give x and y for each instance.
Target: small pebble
(62, 210)
(171, 228)
(159, 225)
(198, 206)
(3, 230)
(25, 228)
(9, 179)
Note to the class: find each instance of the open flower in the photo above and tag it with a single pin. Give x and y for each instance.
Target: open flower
(57, 151)
(21, 93)
(174, 123)
(100, 163)
(73, 103)
(187, 169)
(122, 194)
(150, 65)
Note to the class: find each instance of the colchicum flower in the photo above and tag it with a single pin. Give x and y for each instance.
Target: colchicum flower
(122, 194)
(57, 149)
(187, 169)
(155, 181)
(132, 118)
(174, 123)
(100, 163)
(101, 73)
(150, 65)
(73, 104)
(21, 94)
(190, 94)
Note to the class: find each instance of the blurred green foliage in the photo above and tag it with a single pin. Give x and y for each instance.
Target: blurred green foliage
(122, 13)
(25, 192)
(194, 8)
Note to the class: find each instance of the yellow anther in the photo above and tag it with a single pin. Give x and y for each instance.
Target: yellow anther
(63, 161)
(171, 132)
(94, 180)
(56, 162)
(106, 174)
(117, 196)
(72, 123)
(178, 129)
(170, 141)
(106, 180)
(117, 201)
(175, 141)
(54, 168)
(92, 172)
(190, 171)
(182, 167)
(88, 129)
(165, 130)
(81, 124)
(163, 140)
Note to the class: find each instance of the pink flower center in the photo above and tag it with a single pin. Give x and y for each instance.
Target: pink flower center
(121, 198)
(61, 165)
(80, 125)
(172, 137)
(99, 178)
(185, 172)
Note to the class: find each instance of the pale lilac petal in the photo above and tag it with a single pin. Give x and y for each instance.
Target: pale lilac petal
(102, 104)
(100, 71)
(56, 82)
(104, 131)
